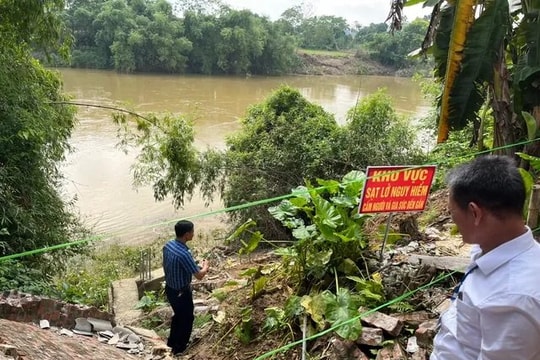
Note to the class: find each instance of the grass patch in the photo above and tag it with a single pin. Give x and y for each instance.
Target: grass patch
(324, 52)
(201, 320)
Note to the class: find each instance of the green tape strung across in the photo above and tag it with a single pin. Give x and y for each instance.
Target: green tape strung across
(229, 209)
(50, 248)
(329, 330)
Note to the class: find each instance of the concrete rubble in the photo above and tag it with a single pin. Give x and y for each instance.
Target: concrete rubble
(384, 336)
(47, 316)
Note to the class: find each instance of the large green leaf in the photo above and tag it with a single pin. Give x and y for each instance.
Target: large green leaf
(252, 244)
(353, 183)
(304, 232)
(317, 261)
(442, 40)
(348, 267)
(341, 308)
(316, 307)
(284, 210)
(533, 160)
(532, 128)
(332, 186)
(326, 212)
(240, 230)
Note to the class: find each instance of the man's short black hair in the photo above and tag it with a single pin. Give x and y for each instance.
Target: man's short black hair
(182, 227)
(492, 182)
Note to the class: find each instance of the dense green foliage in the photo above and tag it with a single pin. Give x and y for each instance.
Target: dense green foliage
(393, 49)
(325, 267)
(146, 35)
(211, 38)
(283, 142)
(286, 140)
(86, 279)
(34, 134)
(377, 136)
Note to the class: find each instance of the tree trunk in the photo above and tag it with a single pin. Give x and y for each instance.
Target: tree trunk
(506, 126)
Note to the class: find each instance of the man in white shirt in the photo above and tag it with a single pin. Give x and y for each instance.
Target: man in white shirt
(495, 311)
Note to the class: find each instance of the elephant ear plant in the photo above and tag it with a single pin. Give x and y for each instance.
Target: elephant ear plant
(329, 250)
(328, 230)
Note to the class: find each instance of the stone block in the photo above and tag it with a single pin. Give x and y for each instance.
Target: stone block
(426, 331)
(394, 352)
(414, 318)
(370, 337)
(347, 350)
(379, 320)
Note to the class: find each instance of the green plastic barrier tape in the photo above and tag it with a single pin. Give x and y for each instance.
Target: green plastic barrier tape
(226, 210)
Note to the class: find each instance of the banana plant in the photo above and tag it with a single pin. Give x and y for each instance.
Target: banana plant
(480, 45)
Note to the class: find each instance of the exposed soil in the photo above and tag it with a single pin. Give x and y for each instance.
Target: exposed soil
(353, 64)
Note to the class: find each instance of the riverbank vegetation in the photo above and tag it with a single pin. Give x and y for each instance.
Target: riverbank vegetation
(211, 38)
(34, 137)
(286, 145)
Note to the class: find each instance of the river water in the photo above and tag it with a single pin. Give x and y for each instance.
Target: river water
(98, 173)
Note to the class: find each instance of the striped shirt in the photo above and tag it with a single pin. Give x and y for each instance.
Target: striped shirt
(178, 265)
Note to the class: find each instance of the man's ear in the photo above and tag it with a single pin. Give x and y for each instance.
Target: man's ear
(477, 212)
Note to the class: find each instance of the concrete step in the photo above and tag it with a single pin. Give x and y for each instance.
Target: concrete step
(125, 296)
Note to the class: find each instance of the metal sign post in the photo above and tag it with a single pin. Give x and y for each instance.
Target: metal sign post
(386, 231)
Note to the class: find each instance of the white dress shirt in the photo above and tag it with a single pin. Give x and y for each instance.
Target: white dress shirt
(496, 315)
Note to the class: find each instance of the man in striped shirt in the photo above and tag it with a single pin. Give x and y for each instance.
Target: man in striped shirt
(179, 266)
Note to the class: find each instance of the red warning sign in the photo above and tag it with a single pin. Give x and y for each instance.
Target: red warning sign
(396, 188)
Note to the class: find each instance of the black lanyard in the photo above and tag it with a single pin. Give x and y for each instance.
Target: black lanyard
(455, 293)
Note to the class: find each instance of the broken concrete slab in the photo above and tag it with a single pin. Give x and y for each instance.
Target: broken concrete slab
(145, 333)
(66, 332)
(412, 345)
(107, 334)
(81, 332)
(100, 325)
(127, 346)
(413, 318)
(457, 263)
(121, 330)
(114, 340)
(394, 352)
(34, 343)
(83, 325)
(346, 349)
(132, 338)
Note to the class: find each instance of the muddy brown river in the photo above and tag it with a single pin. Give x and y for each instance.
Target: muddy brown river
(98, 174)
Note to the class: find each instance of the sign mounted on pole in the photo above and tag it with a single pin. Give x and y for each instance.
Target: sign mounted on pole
(396, 188)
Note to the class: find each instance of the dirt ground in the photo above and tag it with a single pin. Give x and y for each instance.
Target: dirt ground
(353, 64)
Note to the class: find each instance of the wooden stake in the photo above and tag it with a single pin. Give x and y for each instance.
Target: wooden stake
(534, 207)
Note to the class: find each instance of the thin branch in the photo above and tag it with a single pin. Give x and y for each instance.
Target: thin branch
(101, 107)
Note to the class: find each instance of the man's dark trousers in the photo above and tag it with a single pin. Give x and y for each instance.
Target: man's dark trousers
(182, 321)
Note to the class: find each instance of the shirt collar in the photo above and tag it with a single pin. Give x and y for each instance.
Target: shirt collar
(503, 253)
(184, 245)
